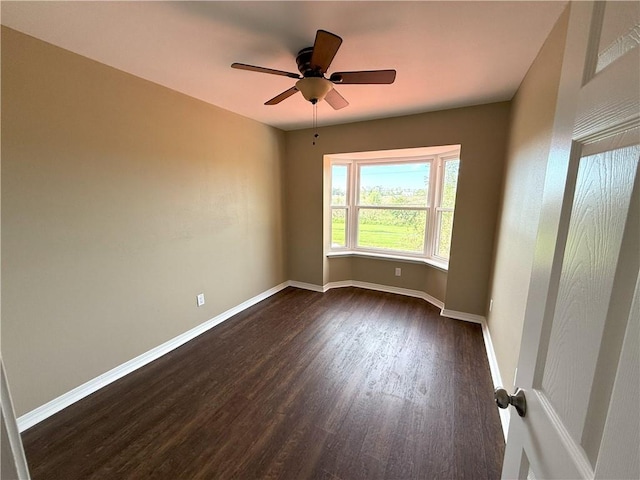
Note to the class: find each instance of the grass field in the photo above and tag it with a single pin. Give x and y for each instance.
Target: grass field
(381, 236)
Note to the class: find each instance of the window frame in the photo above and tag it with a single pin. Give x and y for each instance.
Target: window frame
(346, 207)
(353, 206)
(357, 205)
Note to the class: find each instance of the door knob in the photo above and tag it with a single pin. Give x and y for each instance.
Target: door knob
(503, 399)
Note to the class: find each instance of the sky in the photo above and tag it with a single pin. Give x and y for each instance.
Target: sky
(407, 176)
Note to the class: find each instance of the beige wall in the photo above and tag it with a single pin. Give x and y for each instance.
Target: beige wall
(414, 276)
(122, 200)
(482, 132)
(529, 142)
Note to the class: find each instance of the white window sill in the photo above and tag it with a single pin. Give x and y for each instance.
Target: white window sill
(442, 266)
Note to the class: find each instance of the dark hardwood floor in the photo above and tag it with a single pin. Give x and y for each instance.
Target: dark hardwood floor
(349, 384)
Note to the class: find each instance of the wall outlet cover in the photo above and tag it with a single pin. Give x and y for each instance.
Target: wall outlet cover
(200, 299)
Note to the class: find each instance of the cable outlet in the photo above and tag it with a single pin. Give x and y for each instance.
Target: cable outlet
(398, 271)
(200, 299)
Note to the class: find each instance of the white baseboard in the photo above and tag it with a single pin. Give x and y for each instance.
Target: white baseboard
(495, 375)
(45, 411)
(306, 286)
(369, 286)
(400, 291)
(340, 284)
(467, 317)
(491, 357)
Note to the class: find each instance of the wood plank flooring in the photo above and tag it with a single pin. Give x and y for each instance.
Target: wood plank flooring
(349, 384)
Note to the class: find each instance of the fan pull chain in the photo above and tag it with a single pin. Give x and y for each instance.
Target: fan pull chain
(315, 122)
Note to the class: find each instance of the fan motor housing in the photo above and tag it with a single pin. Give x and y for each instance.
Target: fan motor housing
(304, 63)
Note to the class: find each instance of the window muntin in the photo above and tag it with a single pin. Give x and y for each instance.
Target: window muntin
(401, 207)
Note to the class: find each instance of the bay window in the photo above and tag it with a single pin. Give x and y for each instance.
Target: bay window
(394, 206)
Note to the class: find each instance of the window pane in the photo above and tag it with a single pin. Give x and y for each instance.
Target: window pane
(444, 240)
(397, 184)
(400, 230)
(338, 185)
(450, 183)
(338, 228)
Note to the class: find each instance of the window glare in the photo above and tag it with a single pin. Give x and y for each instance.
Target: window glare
(450, 183)
(444, 240)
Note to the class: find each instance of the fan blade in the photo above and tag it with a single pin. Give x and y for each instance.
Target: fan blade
(253, 68)
(284, 95)
(336, 100)
(325, 48)
(371, 77)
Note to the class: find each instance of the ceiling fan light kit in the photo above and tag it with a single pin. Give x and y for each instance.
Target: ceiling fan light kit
(314, 89)
(313, 63)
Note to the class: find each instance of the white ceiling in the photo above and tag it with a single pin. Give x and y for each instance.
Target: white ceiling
(447, 53)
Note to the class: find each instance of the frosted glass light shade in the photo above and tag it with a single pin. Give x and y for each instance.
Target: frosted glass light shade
(314, 88)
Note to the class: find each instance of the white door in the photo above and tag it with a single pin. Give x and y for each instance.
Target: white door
(579, 362)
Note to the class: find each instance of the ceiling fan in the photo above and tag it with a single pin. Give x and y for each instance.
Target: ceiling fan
(313, 63)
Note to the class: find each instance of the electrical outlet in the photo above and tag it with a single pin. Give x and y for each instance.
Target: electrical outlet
(200, 299)
(398, 272)
(491, 304)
